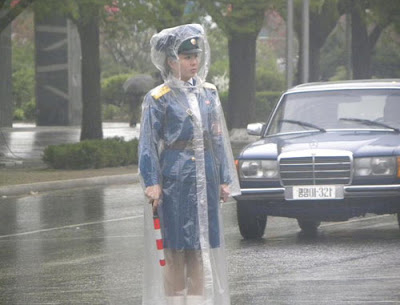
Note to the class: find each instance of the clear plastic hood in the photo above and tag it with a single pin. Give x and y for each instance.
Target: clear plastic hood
(166, 45)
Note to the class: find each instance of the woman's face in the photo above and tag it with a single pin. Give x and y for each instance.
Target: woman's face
(186, 67)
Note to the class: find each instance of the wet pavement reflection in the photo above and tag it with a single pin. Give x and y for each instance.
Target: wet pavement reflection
(84, 246)
(79, 247)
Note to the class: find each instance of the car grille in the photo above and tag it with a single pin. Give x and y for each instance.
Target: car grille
(315, 169)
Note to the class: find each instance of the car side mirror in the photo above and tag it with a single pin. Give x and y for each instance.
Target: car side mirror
(255, 129)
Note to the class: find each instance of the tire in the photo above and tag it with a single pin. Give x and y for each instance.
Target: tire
(251, 224)
(398, 219)
(308, 227)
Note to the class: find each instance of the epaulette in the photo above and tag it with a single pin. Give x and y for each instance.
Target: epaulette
(210, 86)
(160, 91)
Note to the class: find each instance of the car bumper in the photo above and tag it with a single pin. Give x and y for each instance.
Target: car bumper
(350, 191)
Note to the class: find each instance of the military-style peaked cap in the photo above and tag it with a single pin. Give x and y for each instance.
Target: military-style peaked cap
(190, 46)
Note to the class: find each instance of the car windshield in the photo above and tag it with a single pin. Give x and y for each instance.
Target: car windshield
(320, 111)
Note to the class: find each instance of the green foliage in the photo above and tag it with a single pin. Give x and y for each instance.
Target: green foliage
(265, 102)
(29, 110)
(341, 74)
(386, 57)
(110, 66)
(125, 48)
(333, 53)
(110, 112)
(268, 76)
(164, 14)
(237, 17)
(23, 86)
(18, 114)
(384, 61)
(110, 152)
(23, 51)
(219, 52)
(112, 91)
(23, 71)
(267, 79)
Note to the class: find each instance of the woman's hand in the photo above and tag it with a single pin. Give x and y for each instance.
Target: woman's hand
(153, 192)
(224, 192)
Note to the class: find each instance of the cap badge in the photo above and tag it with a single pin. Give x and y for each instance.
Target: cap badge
(193, 41)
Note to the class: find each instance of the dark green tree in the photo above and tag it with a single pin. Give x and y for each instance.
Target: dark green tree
(160, 14)
(368, 20)
(324, 15)
(241, 21)
(127, 38)
(87, 21)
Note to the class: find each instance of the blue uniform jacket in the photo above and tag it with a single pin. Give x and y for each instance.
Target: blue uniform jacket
(166, 157)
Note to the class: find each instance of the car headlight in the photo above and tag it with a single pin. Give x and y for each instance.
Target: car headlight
(267, 169)
(376, 166)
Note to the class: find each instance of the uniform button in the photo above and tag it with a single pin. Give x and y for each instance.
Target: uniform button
(193, 159)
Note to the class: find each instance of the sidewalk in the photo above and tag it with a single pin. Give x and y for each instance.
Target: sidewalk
(21, 147)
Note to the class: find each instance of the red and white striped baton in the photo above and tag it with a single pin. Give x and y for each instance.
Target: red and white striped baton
(159, 240)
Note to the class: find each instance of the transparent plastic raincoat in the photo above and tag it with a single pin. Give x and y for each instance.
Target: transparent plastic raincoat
(184, 151)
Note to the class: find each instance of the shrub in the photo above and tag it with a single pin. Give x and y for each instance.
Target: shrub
(110, 152)
(112, 91)
(19, 114)
(23, 85)
(110, 112)
(267, 80)
(30, 110)
(265, 102)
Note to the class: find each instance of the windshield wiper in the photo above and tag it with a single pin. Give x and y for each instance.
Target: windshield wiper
(304, 124)
(371, 123)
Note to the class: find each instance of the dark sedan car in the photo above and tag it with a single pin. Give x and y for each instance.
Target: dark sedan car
(330, 151)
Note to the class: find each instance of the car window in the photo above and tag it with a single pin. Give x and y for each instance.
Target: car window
(339, 109)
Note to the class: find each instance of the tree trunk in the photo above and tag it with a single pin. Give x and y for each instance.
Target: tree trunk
(360, 47)
(242, 57)
(91, 127)
(315, 56)
(314, 62)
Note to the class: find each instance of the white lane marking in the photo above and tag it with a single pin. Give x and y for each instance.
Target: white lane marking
(70, 226)
(356, 220)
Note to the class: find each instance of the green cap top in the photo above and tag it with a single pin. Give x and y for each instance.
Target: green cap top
(189, 46)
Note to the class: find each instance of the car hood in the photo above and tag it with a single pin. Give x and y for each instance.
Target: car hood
(360, 143)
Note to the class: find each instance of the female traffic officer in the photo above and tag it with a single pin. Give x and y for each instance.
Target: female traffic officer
(186, 166)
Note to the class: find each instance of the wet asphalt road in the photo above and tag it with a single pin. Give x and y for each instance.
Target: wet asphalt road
(84, 246)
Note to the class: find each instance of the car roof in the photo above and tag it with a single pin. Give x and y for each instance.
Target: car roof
(349, 84)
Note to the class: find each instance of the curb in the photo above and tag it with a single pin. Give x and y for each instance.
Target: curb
(25, 189)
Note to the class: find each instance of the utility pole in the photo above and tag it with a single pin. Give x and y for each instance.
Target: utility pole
(306, 40)
(289, 44)
(348, 47)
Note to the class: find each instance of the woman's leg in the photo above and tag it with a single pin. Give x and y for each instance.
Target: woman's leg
(174, 272)
(194, 272)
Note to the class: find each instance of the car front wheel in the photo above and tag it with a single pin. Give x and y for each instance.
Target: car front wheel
(308, 227)
(251, 224)
(398, 219)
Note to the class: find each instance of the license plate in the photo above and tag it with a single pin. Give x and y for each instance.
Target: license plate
(313, 192)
